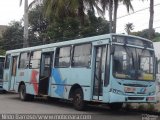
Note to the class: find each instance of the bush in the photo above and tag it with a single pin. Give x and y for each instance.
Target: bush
(150, 107)
(141, 107)
(128, 106)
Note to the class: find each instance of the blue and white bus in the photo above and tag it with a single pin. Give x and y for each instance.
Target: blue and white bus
(111, 68)
(1, 71)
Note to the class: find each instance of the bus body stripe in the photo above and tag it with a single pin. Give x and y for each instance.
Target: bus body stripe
(34, 80)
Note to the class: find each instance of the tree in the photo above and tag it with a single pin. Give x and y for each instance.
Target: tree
(13, 36)
(151, 18)
(25, 34)
(70, 28)
(37, 22)
(112, 5)
(70, 8)
(129, 27)
(144, 33)
(66, 28)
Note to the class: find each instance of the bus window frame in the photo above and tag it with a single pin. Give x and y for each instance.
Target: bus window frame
(139, 47)
(73, 48)
(6, 58)
(35, 59)
(28, 59)
(55, 53)
(2, 63)
(107, 65)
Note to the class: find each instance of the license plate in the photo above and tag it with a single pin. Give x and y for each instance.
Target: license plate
(129, 89)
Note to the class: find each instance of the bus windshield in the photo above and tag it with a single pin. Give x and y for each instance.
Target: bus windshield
(133, 63)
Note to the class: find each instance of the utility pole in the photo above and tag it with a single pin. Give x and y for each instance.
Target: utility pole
(25, 34)
(151, 19)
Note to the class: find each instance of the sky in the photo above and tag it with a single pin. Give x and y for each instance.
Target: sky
(10, 10)
(140, 20)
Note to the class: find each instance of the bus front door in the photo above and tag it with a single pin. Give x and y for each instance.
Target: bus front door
(45, 72)
(13, 73)
(99, 71)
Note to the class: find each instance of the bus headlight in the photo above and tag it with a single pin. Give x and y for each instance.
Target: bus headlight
(152, 93)
(150, 98)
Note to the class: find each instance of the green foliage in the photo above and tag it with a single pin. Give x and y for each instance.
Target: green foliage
(2, 52)
(128, 106)
(94, 26)
(129, 27)
(141, 107)
(44, 30)
(63, 29)
(150, 107)
(144, 33)
(37, 22)
(70, 8)
(66, 28)
(156, 39)
(13, 36)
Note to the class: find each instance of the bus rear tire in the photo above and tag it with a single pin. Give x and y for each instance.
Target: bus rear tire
(23, 95)
(115, 106)
(78, 101)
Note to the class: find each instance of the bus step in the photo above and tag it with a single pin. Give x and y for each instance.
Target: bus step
(42, 95)
(96, 100)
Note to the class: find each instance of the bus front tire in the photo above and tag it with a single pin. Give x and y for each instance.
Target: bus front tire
(78, 101)
(23, 95)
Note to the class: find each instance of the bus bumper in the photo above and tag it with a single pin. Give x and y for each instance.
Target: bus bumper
(1, 88)
(132, 99)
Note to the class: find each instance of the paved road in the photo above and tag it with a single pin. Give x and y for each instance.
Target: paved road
(10, 103)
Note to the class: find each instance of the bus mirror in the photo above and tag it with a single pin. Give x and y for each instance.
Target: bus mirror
(112, 49)
(30, 65)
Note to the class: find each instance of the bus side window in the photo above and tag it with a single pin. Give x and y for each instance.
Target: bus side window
(62, 58)
(24, 60)
(81, 55)
(35, 60)
(7, 61)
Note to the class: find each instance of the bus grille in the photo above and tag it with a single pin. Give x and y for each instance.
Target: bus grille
(135, 98)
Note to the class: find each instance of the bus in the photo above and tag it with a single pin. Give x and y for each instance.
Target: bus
(157, 54)
(1, 71)
(111, 68)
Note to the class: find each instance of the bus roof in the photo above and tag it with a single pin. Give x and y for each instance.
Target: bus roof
(75, 41)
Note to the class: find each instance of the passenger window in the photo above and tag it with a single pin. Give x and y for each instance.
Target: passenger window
(81, 55)
(7, 61)
(35, 59)
(62, 58)
(24, 60)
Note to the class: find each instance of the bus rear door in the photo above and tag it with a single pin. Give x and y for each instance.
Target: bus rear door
(45, 72)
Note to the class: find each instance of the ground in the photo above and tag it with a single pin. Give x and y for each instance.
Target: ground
(11, 104)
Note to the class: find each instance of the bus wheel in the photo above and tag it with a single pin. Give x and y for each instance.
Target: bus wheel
(115, 106)
(23, 95)
(78, 101)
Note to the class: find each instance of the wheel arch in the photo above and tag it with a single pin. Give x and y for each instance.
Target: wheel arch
(21, 83)
(73, 88)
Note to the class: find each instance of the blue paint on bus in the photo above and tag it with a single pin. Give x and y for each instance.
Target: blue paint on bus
(58, 80)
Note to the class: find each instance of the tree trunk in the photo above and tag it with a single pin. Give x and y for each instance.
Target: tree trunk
(151, 18)
(115, 15)
(81, 11)
(25, 40)
(110, 15)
